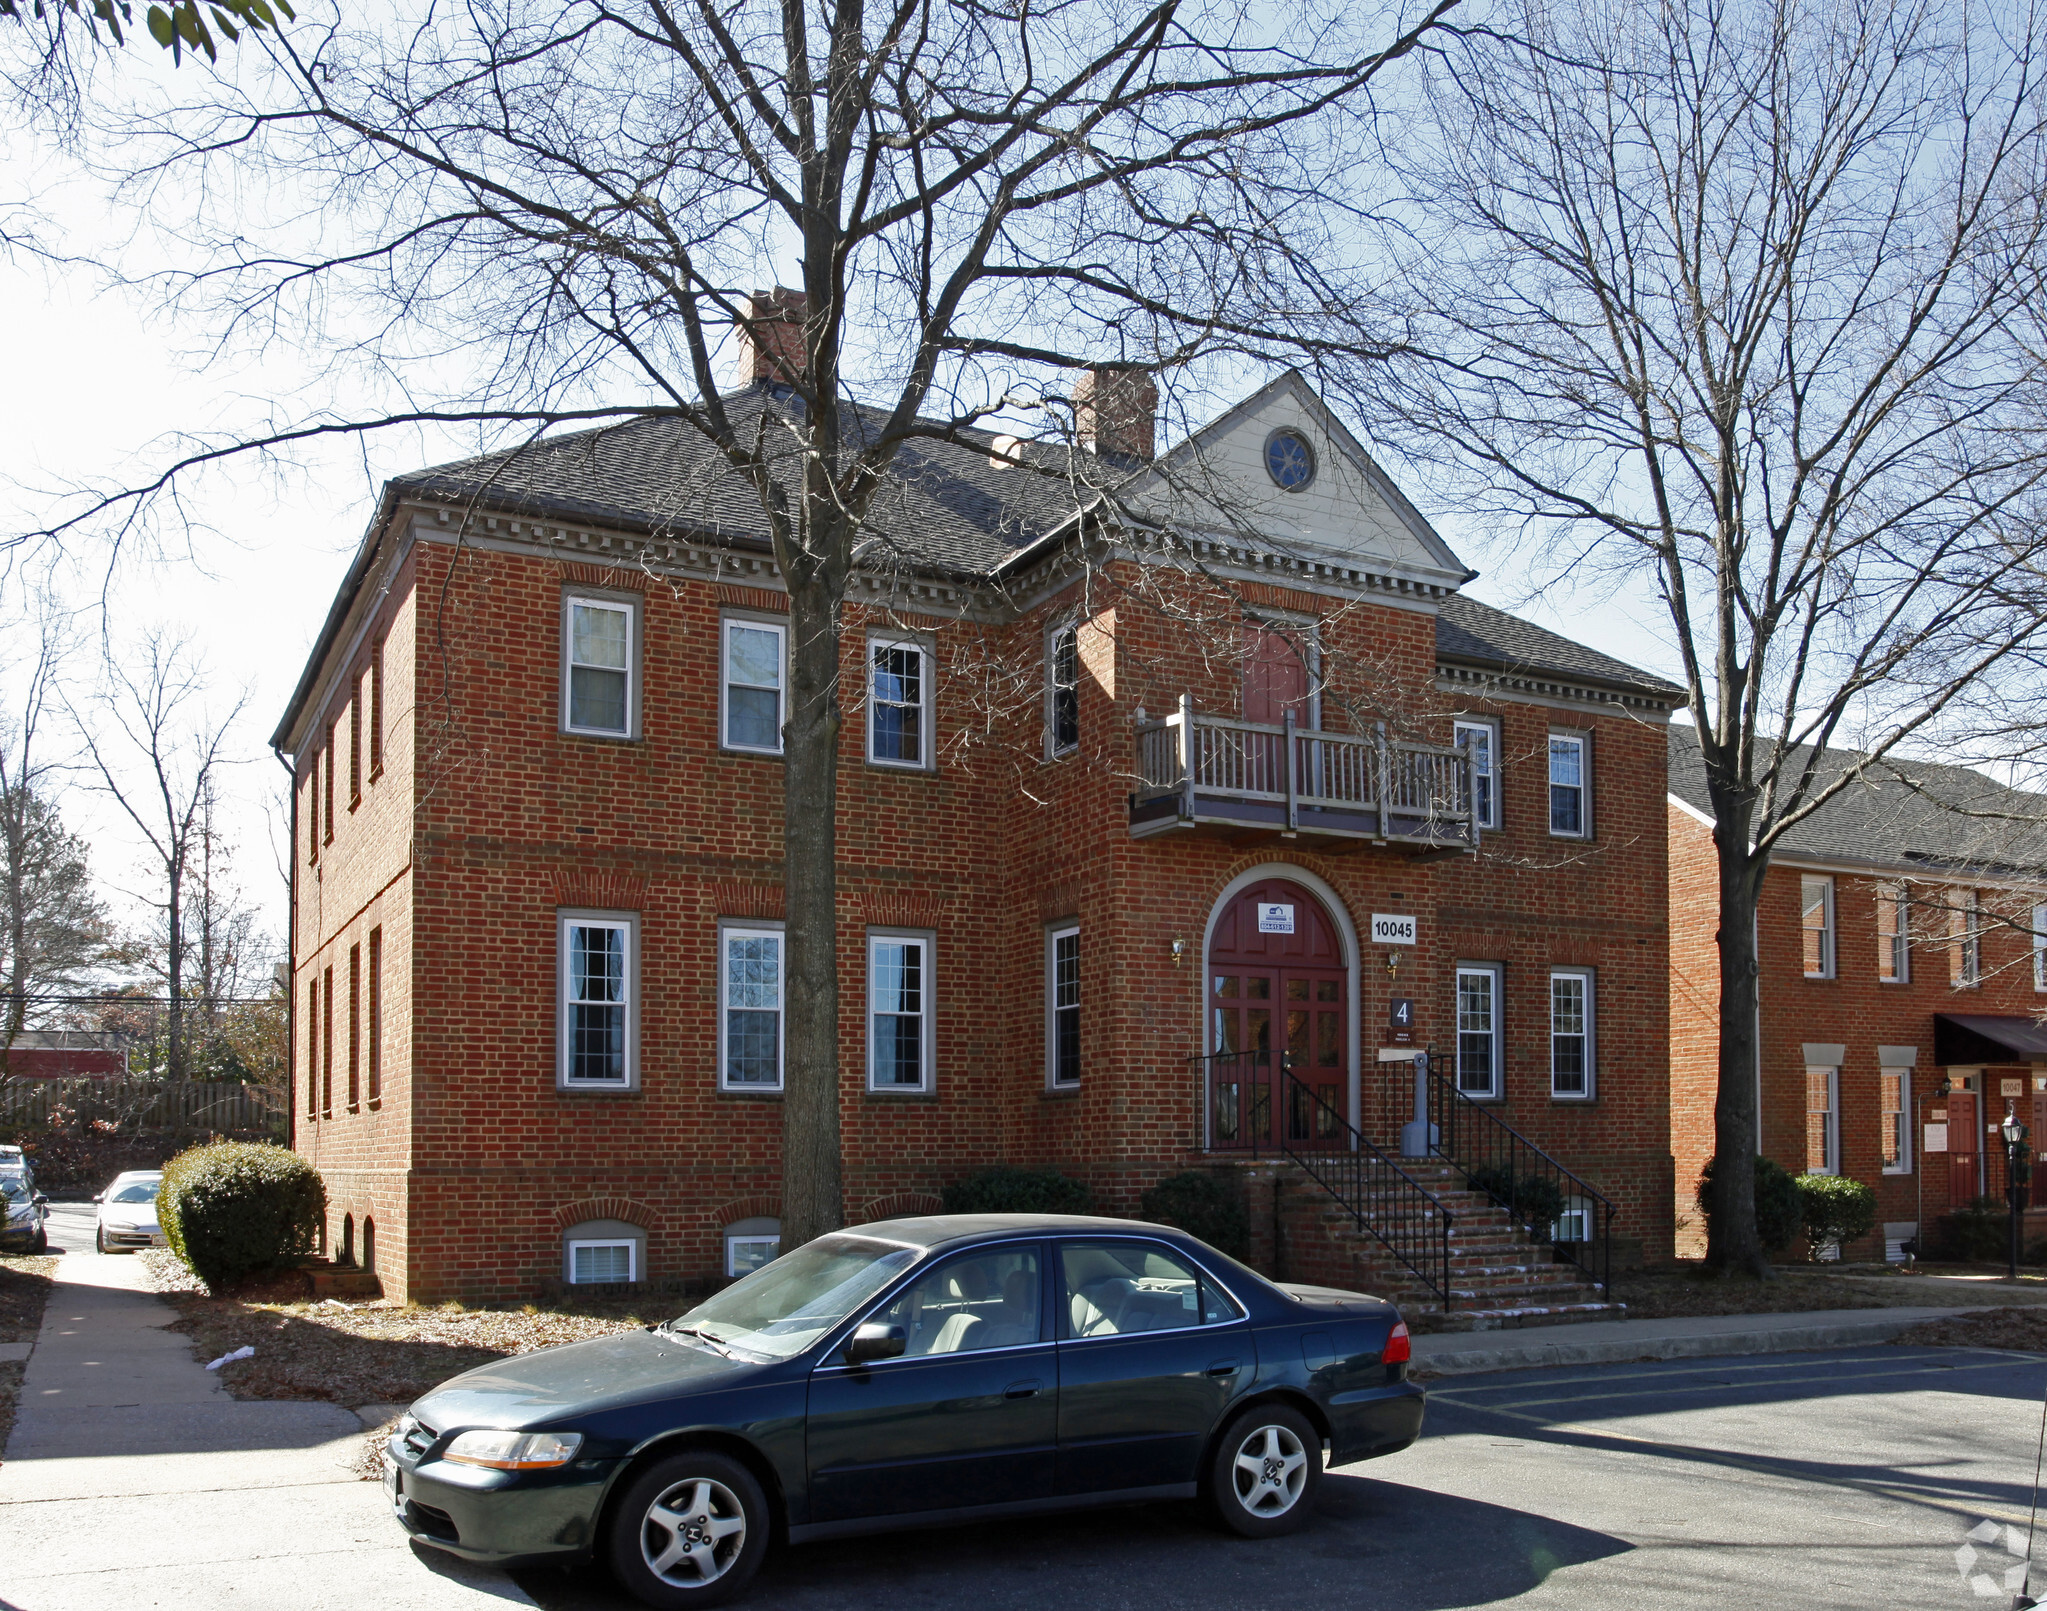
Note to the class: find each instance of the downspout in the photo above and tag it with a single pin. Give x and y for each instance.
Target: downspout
(291, 960)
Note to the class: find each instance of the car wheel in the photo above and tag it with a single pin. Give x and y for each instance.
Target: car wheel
(690, 1530)
(99, 1239)
(1267, 1466)
(42, 1241)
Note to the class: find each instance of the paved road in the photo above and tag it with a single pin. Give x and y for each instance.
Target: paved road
(1839, 1480)
(71, 1228)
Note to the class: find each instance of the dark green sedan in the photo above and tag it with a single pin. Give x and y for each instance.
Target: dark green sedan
(905, 1374)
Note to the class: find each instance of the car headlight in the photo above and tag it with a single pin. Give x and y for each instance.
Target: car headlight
(514, 1451)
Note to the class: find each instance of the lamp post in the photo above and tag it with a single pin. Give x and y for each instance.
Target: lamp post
(2018, 1158)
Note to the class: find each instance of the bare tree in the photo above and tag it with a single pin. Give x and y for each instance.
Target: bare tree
(57, 933)
(971, 201)
(158, 753)
(1738, 300)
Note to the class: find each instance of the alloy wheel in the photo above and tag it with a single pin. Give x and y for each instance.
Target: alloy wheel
(1270, 1471)
(693, 1533)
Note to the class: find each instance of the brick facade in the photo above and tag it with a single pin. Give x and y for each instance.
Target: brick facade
(486, 820)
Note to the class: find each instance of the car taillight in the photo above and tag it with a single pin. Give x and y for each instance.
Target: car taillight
(1399, 1347)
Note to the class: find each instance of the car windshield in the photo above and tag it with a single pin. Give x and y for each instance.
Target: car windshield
(787, 1304)
(13, 1188)
(135, 1191)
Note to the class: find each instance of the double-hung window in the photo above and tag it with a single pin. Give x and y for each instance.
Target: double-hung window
(1570, 786)
(750, 975)
(755, 654)
(1062, 689)
(898, 703)
(1893, 935)
(1816, 922)
(1570, 1034)
(1822, 1121)
(2040, 948)
(1062, 1007)
(899, 1018)
(599, 650)
(1965, 939)
(1478, 1029)
(1896, 1092)
(599, 977)
(1481, 741)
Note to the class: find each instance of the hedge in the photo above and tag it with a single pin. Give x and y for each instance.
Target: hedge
(1533, 1200)
(1203, 1206)
(1836, 1209)
(234, 1208)
(1004, 1190)
(1780, 1209)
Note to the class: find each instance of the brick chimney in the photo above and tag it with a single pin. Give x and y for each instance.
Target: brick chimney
(1115, 410)
(771, 337)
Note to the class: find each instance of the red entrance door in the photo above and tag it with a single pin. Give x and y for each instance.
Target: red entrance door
(1277, 990)
(1964, 1147)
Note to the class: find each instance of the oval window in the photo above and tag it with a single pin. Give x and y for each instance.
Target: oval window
(1289, 460)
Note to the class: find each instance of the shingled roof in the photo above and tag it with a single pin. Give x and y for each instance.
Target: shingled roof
(1913, 816)
(945, 504)
(1478, 635)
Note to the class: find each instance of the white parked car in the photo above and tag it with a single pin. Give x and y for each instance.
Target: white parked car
(127, 1214)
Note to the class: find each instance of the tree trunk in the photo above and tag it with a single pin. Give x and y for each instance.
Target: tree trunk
(1732, 1246)
(812, 1195)
(174, 970)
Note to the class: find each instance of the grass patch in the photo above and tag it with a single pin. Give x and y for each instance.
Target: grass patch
(378, 1352)
(10, 1394)
(1686, 1291)
(24, 1288)
(2023, 1329)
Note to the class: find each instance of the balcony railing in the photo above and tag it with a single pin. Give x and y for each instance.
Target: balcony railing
(1196, 769)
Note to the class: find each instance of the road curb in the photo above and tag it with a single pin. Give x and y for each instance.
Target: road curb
(1534, 1354)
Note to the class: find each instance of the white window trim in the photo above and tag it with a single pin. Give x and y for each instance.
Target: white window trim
(1491, 728)
(1897, 897)
(573, 917)
(928, 1049)
(1053, 633)
(734, 1243)
(1052, 938)
(1969, 908)
(2040, 948)
(754, 930)
(632, 1257)
(1492, 972)
(1591, 1036)
(926, 725)
(1584, 743)
(1828, 948)
(776, 624)
(631, 604)
(1906, 1139)
(1833, 1136)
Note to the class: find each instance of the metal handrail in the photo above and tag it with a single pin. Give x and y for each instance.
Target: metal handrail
(1513, 1171)
(1382, 1199)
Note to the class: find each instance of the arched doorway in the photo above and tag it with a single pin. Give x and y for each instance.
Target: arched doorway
(1278, 982)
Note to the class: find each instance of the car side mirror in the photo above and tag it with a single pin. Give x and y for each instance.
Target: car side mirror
(42, 1201)
(875, 1341)
(99, 1196)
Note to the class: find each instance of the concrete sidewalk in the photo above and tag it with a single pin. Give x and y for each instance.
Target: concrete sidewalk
(1606, 1342)
(131, 1479)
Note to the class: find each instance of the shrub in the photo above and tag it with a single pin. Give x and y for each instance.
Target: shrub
(1780, 1210)
(1202, 1205)
(1978, 1234)
(1531, 1199)
(233, 1208)
(1004, 1190)
(1836, 1209)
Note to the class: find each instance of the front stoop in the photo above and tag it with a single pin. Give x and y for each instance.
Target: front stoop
(1499, 1278)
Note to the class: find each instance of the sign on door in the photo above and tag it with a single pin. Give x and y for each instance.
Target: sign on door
(1275, 918)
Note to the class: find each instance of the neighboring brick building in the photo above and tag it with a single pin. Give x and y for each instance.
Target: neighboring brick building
(1902, 987)
(536, 772)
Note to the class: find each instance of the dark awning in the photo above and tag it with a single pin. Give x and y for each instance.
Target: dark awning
(1987, 1038)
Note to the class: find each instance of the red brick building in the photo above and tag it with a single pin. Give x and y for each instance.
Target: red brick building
(1902, 989)
(1105, 807)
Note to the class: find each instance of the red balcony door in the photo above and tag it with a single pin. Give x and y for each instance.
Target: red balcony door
(1277, 983)
(1275, 675)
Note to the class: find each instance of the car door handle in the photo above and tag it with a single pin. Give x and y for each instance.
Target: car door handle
(1023, 1389)
(1223, 1367)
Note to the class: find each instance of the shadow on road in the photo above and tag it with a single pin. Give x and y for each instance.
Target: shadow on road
(1373, 1543)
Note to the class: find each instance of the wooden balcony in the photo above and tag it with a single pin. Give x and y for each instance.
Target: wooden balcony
(1247, 780)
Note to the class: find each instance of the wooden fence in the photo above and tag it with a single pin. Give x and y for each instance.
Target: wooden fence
(185, 1107)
